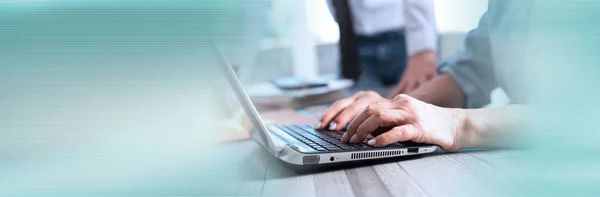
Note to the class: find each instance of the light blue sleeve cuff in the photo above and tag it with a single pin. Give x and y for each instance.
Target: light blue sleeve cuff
(474, 96)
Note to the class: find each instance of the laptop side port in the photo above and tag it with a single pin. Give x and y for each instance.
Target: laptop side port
(412, 150)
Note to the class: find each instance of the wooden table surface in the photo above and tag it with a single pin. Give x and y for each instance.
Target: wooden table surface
(439, 174)
(466, 173)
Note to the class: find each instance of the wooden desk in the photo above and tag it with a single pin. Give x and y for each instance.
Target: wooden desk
(440, 174)
(467, 173)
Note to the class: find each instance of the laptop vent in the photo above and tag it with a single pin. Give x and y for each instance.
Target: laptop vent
(364, 155)
(306, 160)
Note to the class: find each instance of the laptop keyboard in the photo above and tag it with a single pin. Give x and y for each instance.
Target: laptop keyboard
(323, 140)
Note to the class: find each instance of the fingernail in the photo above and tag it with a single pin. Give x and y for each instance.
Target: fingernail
(372, 142)
(345, 137)
(332, 125)
(318, 125)
(354, 139)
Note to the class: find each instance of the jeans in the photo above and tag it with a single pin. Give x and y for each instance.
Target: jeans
(383, 60)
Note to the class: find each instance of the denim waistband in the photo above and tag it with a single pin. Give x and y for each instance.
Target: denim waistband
(392, 35)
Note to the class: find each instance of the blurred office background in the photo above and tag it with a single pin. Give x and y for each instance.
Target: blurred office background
(278, 50)
(117, 97)
(454, 19)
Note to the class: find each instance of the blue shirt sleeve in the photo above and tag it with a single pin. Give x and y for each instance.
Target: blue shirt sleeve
(472, 67)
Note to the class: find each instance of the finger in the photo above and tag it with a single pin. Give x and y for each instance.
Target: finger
(412, 86)
(431, 76)
(396, 91)
(350, 113)
(334, 110)
(366, 113)
(399, 89)
(396, 134)
(424, 80)
(417, 84)
(386, 118)
(403, 86)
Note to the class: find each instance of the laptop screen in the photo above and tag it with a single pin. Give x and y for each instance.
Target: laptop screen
(249, 114)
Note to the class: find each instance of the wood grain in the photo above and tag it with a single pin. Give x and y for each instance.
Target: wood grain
(256, 172)
(281, 181)
(334, 183)
(365, 182)
(397, 181)
(450, 175)
(459, 174)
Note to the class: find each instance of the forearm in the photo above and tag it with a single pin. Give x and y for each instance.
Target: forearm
(442, 91)
(489, 127)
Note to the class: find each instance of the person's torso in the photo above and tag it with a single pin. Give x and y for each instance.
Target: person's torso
(372, 17)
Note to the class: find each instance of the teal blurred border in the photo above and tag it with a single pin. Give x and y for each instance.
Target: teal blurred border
(116, 98)
(561, 76)
(119, 98)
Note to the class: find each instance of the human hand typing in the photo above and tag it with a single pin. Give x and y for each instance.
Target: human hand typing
(343, 111)
(407, 119)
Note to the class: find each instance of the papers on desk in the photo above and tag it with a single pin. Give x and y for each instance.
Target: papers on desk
(268, 96)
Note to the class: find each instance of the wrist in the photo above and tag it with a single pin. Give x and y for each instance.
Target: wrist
(461, 131)
(473, 129)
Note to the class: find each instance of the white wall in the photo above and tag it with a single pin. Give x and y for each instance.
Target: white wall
(458, 15)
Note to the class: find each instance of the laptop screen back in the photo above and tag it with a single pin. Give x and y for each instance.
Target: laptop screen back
(246, 103)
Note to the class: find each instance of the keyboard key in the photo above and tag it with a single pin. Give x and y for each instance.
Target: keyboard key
(329, 145)
(334, 149)
(313, 138)
(346, 146)
(336, 135)
(320, 140)
(361, 146)
(306, 129)
(331, 138)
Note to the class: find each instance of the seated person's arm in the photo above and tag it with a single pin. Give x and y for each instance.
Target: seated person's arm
(467, 78)
(408, 119)
(442, 91)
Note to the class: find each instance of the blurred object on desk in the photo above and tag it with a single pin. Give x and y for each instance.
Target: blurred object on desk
(287, 116)
(298, 83)
(315, 111)
(267, 96)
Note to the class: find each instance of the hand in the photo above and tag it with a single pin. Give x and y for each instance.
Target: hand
(420, 69)
(343, 111)
(407, 119)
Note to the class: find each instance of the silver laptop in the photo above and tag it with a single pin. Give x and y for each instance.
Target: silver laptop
(303, 145)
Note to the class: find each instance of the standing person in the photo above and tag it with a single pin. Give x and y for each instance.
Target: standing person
(386, 42)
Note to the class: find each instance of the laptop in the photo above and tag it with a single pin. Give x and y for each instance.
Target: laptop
(304, 145)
